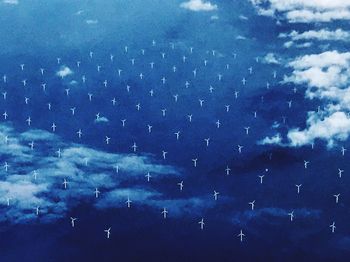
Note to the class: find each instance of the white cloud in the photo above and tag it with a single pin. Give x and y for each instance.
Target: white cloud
(64, 71)
(289, 44)
(240, 37)
(276, 139)
(84, 168)
(11, 2)
(243, 17)
(270, 58)
(327, 78)
(321, 70)
(101, 119)
(91, 21)
(198, 5)
(322, 35)
(331, 128)
(265, 214)
(305, 11)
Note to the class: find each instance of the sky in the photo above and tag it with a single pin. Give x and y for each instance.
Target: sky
(182, 130)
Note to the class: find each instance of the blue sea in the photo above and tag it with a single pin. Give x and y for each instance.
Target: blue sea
(190, 85)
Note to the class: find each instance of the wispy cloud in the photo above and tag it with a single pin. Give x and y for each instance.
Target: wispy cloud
(304, 11)
(198, 5)
(35, 176)
(64, 71)
(11, 2)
